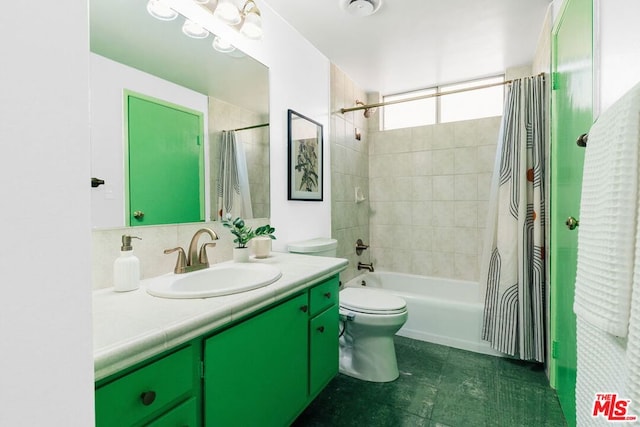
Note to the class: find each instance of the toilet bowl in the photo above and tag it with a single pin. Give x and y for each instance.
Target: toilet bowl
(370, 318)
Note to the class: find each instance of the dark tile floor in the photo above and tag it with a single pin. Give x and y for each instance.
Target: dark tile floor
(441, 387)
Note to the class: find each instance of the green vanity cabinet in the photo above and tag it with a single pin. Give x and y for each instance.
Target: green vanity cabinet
(323, 333)
(256, 372)
(262, 370)
(266, 370)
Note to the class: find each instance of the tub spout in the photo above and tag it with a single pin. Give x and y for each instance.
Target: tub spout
(363, 266)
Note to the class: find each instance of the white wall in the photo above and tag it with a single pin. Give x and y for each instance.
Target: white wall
(108, 81)
(299, 80)
(46, 367)
(616, 49)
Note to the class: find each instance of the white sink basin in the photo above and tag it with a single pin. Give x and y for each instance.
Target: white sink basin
(222, 279)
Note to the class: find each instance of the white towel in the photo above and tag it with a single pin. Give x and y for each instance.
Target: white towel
(607, 232)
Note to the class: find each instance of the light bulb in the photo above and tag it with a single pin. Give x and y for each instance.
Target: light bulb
(159, 9)
(252, 26)
(227, 12)
(222, 45)
(195, 30)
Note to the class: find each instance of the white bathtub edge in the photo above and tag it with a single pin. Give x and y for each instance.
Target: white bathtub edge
(483, 348)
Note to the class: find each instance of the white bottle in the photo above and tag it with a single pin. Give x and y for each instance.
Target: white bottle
(126, 268)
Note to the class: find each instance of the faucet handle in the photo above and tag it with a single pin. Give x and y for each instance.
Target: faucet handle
(202, 257)
(181, 262)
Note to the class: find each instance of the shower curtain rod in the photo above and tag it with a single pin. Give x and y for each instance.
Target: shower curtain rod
(251, 127)
(431, 95)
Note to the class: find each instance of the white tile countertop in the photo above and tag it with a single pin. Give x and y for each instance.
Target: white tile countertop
(130, 327)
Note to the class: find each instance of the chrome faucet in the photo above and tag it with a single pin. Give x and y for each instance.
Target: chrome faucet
(363, 266)
(197, 259)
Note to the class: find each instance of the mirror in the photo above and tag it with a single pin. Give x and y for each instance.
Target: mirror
(132, 51)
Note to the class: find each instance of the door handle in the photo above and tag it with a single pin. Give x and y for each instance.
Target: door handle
(582, 140)
(572, 223)
(138, 214)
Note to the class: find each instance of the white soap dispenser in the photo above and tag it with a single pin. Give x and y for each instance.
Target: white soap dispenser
(126, 268)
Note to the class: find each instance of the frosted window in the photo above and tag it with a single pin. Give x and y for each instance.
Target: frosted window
(409, 114)
(473, 104)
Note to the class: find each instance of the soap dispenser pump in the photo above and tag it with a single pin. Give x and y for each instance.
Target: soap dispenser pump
(126, 268)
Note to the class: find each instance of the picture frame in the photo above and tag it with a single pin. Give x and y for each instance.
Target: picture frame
(305, 147)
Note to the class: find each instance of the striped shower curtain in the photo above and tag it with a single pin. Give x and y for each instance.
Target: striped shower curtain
(514, 268)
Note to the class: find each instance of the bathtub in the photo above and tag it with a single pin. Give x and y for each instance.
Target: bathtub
(441, 311)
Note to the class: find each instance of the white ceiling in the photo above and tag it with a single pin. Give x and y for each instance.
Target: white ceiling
(412, 44)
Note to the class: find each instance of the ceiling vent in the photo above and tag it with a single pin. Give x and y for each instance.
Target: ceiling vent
(361, 7)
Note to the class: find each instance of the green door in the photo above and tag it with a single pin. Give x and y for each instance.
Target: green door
(571, 116)
(165, 163)
(255, 373)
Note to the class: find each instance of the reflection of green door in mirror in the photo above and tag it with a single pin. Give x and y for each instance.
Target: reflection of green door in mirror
(571, 116)
(165, 168)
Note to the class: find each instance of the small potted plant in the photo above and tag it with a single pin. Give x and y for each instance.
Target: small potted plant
(243, 234)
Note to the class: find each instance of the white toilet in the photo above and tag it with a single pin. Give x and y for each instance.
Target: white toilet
(320, 246)
(371, 318)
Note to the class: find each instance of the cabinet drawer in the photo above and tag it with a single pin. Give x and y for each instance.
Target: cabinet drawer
(323, 295)
(150, 389)
(185, 415)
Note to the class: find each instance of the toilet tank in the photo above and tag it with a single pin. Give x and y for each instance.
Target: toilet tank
(320, 246)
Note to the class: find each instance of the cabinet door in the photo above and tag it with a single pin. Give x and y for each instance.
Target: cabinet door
(323, 349)
(256, 371)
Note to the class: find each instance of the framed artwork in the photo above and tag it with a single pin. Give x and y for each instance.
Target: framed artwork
(305, 158)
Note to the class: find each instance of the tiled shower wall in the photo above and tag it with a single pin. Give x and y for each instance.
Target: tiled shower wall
(349, 170)
(429, 191)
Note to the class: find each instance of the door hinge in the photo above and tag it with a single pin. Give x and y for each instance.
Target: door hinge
(202, 369)
(554, 80)
(554, 349)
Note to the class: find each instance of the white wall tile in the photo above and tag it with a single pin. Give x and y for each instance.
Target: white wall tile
(466, 214)
(443, 162)
(444, 187)
(465, 160)
(466, 187)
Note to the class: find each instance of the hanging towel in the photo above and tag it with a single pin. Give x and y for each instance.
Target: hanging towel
(607, 232)
(228, 181)
(632, 383)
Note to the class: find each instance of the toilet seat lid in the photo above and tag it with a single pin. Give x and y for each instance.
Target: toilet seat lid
(371, 301)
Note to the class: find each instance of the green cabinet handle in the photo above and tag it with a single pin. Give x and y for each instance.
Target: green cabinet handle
(328, 294)
(321, 329)
(304, 308)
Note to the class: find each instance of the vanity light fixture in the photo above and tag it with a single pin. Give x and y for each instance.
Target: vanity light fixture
(252, 25)
(247, 20)
(195, 30)
(159, 9)
(221, 45)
